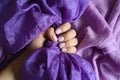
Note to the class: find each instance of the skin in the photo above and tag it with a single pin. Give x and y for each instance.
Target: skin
(12, 71)
(67, 45)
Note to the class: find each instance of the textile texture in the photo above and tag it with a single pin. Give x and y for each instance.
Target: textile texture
(99, 38)
(25, 20)
(97, 23)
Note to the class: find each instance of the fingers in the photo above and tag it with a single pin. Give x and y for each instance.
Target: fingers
(63, 28)
(69, 43)
(67, 36)
(69, 49)
(69, 46)
(51, 34)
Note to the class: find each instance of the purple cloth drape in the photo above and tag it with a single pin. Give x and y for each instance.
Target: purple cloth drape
(22, 20)
(25, 20)
(97, 30)
(49, 63)
(99, 38)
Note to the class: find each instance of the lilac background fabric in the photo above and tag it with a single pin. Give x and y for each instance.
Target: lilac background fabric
(99, 38)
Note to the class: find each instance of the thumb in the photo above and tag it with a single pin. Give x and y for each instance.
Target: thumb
(50, 33)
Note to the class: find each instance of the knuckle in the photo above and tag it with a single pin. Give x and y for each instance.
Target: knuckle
(68, 24)
(73, 32)
(65, 27)
(76, 41)
(72, 49)
(51, 29)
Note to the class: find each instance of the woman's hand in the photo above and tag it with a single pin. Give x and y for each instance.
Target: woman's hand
(67, 38)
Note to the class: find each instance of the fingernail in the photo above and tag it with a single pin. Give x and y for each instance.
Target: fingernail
(61, 38)
(64, 49)
(58, 31)
(61, 45)
(55, 37)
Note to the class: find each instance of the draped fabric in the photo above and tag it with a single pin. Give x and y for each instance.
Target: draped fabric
(99, 38)
(97, 29)
(22, 20)
(54, 65)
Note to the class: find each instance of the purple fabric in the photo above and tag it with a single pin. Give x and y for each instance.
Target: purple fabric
(99, 38)
(98, 32)
(22, 20)
(28, 18)
(49, 63)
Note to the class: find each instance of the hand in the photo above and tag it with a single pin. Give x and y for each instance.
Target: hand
(67, 38)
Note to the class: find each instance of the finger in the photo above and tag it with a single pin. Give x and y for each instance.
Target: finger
(70, 43)
(51, 34)
(69, 50)
(67, 36)
(63, 28)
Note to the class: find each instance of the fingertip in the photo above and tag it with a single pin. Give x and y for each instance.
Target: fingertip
(58, 31)
(54, 38)
(63, 28)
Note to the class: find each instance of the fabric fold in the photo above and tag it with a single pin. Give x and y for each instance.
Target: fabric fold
(49, 63)
(29, 18)
(98, 34)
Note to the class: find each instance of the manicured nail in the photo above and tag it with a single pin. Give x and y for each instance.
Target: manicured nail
(61, 38)
(58, 31)
(55, 37)
(64, 49)
(61, 45)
